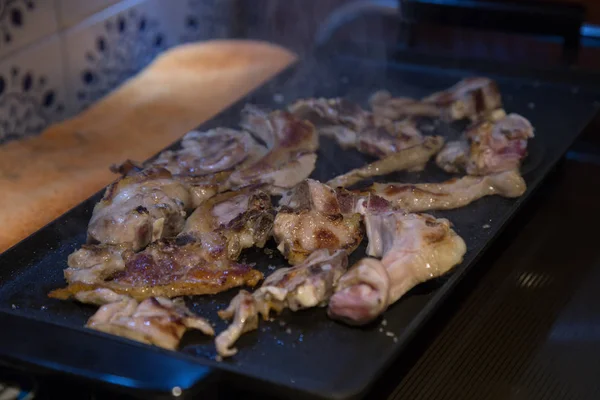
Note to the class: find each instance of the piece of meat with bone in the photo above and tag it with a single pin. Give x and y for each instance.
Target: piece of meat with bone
(411, 159)
(200, 260)
(385, 106)
(310, 218)
(244, 218)
(209, 152)
(168, 268)
(473, 98)
(157, 321)
(488, 147)
(454, 193)
(415, 249)
(351, 126)
(140, 208)
(291, 158)
(306, 285)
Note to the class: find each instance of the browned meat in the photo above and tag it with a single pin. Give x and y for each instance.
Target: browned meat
(168, 268)
(412, 159)
(206, 153)
(351, 126)
(310, 219)
(451, 194)
(156, 320)
(415, 248)
(140, 208)
(473, 98)
(489, 147)
(385, 106)
(244, 218)
(306, 285)
(291, 157)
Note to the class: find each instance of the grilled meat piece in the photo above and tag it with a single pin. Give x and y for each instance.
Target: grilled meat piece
(310, 218)
(169, 268)
(306, 285)
(351, 126)
(412, 159)
(206, 153)
(473, 98)
(244, 218)
(140, 208)
(95, 263)
(291, 157)
(385, 106)
(156, 320)
(415, 248)
(488, 147)
(451, 194)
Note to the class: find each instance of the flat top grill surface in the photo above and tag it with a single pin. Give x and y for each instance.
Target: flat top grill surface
(305, 352)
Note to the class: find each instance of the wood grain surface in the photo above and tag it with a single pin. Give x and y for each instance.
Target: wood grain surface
(44, 176)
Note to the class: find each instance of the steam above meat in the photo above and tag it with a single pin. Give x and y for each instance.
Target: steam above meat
(310, 218)
(415, 248)
(156, 320)
(306, 285)
(488, 147)
(454, 193)
(140, 208)
(412, 159)
(291, 158)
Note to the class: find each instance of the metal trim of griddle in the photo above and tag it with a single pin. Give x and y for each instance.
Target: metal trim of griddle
(206, 371)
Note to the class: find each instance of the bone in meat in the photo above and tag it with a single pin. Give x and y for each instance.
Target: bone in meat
(398, 108)
(244, 218)
(415, 248)
(157, 321)
(306, 285)
(455, 193)
(474, 98)
(412, 159)
(140, 208)
(310, 218)
(291, 158)
(351, 126)
(488, 147)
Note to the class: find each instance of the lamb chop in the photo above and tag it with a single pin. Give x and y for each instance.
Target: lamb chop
(199, 261)
(488, 147)
(473, 98)
(385, 106)
(156, 320)
(168, 268)
(351, 126)
(415, 248)
(306, 285)
(140, 208)
(310, 218)
(411, 159)
(244, 217)
(454, 193)
(291, 157)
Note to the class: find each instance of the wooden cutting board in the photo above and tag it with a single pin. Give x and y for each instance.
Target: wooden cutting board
(44, 176)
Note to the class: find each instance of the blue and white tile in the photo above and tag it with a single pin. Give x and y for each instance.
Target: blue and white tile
(111, 46)
(23, 22)
(71, 12)
(195, 20)
(32, 90)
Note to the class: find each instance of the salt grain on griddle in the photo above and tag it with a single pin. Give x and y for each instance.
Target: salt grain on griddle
(390, 334)
(288, 331)
(486, 226)
(384, 322)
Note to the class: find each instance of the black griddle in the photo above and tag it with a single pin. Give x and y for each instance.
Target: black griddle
(298, 354)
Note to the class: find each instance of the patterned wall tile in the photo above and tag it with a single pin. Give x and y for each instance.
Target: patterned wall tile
(70, 12)
(23, 22)
(111, 46)
(32, 90)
